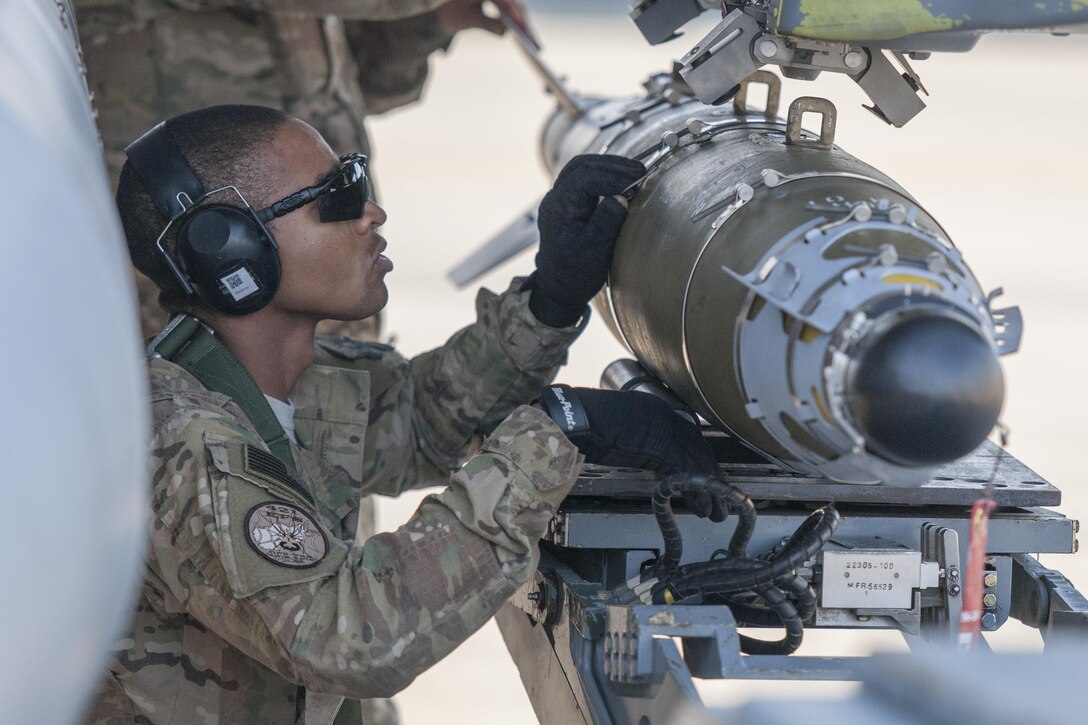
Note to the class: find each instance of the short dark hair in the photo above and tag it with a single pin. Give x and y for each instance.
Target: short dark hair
(224, 145)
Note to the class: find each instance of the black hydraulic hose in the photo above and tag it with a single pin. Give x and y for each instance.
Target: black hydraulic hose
(785, 611)
(812, 526)
(765, 616)
(670, 531)
(745, 613)
(742, 506)
(733, 500)
(816, 531)
(727, 576)
(738, 575)
(805, 597)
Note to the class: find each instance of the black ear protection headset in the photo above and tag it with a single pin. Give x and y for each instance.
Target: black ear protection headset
(225, 254)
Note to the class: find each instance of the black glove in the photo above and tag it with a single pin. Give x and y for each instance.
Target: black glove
(633, 430)
(577, 232)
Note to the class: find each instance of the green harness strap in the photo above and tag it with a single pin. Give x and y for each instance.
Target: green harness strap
(191, 344)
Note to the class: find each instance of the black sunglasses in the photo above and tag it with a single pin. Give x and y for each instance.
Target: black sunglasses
(340, 196)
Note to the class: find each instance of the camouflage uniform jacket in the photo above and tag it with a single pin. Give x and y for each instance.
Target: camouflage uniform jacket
(328, 62)
(255, 582)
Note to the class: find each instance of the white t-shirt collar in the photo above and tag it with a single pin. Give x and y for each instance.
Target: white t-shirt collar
(285, 414)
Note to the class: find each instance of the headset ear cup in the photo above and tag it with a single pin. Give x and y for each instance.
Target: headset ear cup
(230, 257)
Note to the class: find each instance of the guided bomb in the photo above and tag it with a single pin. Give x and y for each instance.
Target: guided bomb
(791, 294)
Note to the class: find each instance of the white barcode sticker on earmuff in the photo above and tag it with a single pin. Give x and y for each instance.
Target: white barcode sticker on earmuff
(240, 283)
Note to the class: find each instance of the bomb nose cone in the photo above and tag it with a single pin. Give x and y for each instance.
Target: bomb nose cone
(926, 391)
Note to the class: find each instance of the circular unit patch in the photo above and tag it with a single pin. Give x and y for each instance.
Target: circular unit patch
(285, 535)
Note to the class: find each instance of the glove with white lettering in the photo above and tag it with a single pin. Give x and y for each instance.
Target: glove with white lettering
(578, 230)
(633, 430)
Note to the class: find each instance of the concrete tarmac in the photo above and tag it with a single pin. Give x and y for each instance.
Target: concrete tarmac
(1000, 158)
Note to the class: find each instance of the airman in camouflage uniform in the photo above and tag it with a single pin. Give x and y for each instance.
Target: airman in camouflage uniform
(330, 63)
(227, 622)
(264, 599)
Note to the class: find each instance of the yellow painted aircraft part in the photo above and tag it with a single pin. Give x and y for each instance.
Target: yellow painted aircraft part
(879, 20)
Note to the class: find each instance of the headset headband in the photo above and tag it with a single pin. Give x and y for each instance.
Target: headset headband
(164, 172)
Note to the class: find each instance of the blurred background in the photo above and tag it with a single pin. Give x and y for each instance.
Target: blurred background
(997, 158)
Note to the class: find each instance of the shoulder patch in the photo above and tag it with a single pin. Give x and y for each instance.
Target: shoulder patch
(285, 535)
(264, 465)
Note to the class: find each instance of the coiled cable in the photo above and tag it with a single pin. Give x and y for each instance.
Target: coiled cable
(735, 579)
(733, 575)
(733, 500)
(785, 611)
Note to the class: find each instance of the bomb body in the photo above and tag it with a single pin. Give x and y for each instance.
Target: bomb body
(790, 293)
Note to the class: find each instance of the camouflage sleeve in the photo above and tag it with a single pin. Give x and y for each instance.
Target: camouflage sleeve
(355, 619)
(426, 416)
(392, 58)
(348, 9)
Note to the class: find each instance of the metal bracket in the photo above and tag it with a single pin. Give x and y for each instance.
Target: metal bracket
(1008, 324)
(774, 92)
(940, 624)
(811, 104)
(633, 653)
(716, 66)
(658, 21)
(895, 98)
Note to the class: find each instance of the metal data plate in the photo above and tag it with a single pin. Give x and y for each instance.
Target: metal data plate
(869, 578)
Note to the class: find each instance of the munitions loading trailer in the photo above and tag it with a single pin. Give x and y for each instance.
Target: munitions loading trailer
(889, 565)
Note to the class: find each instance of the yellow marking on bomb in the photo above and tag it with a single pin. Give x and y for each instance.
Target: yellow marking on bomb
(912, 280)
